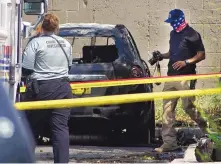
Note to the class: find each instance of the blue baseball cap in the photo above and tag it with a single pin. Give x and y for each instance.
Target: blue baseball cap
(174, 15)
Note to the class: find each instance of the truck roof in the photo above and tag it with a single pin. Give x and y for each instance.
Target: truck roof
(87, 25)
(86, 30)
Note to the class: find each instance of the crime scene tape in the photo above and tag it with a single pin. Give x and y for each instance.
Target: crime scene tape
(136, 81)
(112, 100)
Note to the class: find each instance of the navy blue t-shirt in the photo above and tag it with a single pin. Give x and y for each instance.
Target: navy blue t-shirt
(184, 45)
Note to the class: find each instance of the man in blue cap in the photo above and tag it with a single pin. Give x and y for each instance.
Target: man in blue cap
(185, 50)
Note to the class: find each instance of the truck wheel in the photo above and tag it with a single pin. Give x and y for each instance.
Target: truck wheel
(144, 131)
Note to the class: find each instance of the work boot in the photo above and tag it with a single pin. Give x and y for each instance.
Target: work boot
(167, 147)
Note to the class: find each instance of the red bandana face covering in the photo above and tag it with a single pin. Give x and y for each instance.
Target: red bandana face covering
(179, 24)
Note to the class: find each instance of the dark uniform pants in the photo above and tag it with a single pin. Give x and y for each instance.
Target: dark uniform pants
(54, 121)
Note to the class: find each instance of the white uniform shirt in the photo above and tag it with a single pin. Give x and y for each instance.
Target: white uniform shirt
(45, 57)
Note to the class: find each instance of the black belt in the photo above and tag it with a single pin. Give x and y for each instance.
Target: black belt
(63, 79)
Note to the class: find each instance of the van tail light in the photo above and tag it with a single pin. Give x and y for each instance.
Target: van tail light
(136, 72)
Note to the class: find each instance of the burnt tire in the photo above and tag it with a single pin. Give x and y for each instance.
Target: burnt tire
(144, 131)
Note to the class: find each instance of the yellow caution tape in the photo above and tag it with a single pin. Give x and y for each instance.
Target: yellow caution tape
(137, 81)
(112, 100)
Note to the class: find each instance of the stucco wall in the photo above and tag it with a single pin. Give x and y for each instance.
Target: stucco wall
(145, 20)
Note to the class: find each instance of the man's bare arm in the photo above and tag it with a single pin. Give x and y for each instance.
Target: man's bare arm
(197, 58)
(166, 55)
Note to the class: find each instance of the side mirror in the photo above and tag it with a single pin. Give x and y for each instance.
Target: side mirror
(34, 7)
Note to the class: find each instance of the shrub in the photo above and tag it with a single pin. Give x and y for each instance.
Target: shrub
(211, 105)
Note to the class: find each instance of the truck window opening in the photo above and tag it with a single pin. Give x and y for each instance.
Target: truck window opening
(93, 49)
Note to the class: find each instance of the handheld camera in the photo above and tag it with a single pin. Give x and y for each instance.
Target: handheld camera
(156, 57)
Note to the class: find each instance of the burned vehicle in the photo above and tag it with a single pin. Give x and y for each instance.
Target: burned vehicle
(108, 52)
